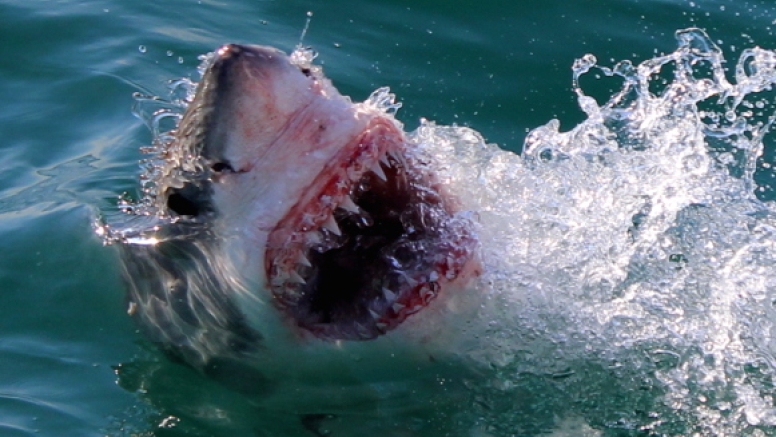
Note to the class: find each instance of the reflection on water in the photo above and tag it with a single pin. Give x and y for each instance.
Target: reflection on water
(57, 186)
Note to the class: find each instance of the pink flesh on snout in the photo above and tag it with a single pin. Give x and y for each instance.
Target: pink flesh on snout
(358, 233)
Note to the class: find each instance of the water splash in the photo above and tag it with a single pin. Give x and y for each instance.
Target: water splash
(382, 99)
(145, 220)
(303, 56)
(629, 263)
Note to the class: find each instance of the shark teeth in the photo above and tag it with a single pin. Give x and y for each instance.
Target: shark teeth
(296, 278)
(426, 294)
(348, 205)
(378, 170)
(331, 225)
(410, 281)
(389, 295)
(302, 259)
(279, 278)
(325, 224)
(313, 237)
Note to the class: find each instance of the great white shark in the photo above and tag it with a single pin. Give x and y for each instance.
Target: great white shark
(300, 240)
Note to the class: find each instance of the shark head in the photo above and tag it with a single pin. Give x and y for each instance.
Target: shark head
(316, 207)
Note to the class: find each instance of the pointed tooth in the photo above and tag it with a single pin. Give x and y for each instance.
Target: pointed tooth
(389, 295)
(294, 277)
(381, 326)
(376, 169)
(278, 280)
(384, 160)
(290, 291)
(314, 237)
(332, 226)
(348, 205)
(302, 259)
(396, 307)
(374, 314)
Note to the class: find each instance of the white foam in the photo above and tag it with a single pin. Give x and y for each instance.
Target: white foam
(629, 266)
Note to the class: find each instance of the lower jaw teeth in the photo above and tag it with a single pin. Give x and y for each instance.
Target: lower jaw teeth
(389, 295)
(296, 278)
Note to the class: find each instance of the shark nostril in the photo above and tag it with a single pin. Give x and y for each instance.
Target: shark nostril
(221, 167)
(192, 200)
(181, 205)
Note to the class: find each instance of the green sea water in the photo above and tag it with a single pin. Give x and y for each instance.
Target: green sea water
(70, 145)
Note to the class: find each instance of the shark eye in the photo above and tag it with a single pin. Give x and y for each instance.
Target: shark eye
(222, 167)
(306, 71)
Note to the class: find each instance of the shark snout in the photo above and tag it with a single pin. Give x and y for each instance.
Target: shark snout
(255, 55)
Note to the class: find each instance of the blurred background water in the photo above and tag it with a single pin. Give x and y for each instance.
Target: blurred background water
(68, 70)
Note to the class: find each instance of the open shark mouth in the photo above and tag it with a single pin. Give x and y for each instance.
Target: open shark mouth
(373, 243)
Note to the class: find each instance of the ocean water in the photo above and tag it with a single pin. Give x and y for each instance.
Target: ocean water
(629, 287)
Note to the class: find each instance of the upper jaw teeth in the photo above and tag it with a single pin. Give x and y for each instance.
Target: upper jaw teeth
(348, 205)
(328, 230)
(330, 224)
(378, 170)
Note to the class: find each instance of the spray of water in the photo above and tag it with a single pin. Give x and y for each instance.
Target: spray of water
(630, 276)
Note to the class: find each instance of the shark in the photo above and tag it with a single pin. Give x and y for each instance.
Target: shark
(297, 239)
